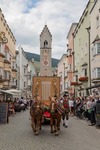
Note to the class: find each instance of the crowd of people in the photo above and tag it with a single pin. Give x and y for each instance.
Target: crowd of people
(81, 107)
(17, 105)
(85, 108)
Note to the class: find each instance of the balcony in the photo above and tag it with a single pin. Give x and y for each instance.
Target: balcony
(14, 69)
(1, 78)
(13, 84)
(75, 83)
(6, 79)
(75, 72)
(7, 61)
(83, 79)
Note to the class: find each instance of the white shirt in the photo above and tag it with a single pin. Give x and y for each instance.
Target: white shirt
(89, 104)
(71, 103)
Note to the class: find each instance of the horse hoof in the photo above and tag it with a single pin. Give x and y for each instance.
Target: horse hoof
(66, 126)
(34, 130)
(36, 133)
(59, 129)
(51, 131)
(56, 134)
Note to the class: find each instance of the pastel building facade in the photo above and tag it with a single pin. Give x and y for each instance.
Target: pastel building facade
(70, 58)
(7, 56)
(62, 73)
(95, 46)
(26, 71)
(82, 53)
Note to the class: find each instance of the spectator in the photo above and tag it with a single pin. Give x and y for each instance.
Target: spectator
(11, 109)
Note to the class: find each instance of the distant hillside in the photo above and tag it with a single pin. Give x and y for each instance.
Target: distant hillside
(36, 57)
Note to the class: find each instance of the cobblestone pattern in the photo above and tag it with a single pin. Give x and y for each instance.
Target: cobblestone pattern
(18, 135)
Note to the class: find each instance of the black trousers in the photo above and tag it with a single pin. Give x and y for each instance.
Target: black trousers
(92, 117)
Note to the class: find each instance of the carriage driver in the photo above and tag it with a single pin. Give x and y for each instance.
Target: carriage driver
(65, 115)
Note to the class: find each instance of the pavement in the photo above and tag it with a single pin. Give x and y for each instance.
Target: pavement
(18, 135)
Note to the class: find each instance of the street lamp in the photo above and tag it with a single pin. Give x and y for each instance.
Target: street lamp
(88, 30)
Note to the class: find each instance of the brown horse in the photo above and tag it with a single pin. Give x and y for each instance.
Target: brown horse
(36, 113)
(55, 117)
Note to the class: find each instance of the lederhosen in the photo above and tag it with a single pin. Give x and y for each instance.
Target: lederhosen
(66, 109)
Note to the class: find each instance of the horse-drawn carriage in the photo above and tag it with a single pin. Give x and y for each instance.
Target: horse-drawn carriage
(45, 107)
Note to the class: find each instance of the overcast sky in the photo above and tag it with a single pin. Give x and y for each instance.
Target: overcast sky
(27, 18)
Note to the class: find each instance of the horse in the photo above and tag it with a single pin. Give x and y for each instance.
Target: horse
(55, 117)
(36, 113)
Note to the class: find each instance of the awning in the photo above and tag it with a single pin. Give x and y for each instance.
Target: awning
(4, 91)
(13, 92)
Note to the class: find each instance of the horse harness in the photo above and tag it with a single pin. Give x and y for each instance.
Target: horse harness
(35, 107)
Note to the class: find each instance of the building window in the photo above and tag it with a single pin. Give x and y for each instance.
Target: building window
(45, 43)
(14, 65)
(0, 47)
(97, 72)
(69, 67)
(97, 21)
(16, 82)
(7, 75)
(92, 52)
(76, 78)
(69, 52)
(1, 71)
(69, 83)
(85, 72)
(66, 73)
(24, 70)
(24, 84)
(7, 56)
(98, 48)
(66, 85)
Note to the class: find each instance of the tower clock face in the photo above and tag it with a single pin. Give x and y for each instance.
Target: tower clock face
(45, 63)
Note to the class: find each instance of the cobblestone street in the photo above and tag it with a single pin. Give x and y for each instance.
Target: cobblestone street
(18, 135)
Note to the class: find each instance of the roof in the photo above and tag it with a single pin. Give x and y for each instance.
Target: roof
(36, 57)
(44, 29)
(73, 24)
(94, 5)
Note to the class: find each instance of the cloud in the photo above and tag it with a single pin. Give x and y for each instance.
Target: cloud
(27, 18)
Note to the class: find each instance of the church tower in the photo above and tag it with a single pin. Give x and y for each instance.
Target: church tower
(45, 52)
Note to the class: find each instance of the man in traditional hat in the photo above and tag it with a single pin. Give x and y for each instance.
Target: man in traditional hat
(66, 109)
